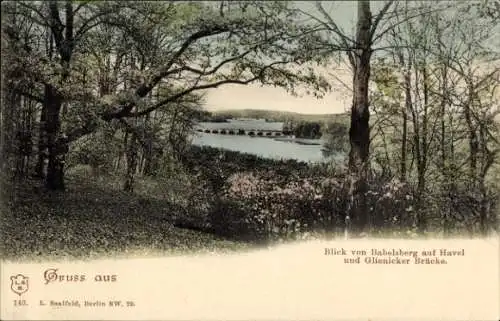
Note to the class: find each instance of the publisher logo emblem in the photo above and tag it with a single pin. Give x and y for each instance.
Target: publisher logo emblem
(19, 284)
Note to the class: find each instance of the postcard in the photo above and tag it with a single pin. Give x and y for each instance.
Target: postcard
(250, 160)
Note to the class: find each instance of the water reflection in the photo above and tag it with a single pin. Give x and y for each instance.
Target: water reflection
(262, 146)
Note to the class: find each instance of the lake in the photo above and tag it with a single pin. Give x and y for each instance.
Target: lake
(261, 146)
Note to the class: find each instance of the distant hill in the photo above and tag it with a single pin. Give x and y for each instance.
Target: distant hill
(280, 116)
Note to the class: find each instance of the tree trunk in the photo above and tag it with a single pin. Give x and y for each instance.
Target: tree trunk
(18, 135)
(403, 147)
(131, 163)
(407, 107)
(10, 116)
(473, 139)
(449, 188)
(422, 162)
(359, 133)
(483, 208)
(123, 151)
(42, 143)
(148, 158)
(55, 168)
(487, 160)
(58, 144)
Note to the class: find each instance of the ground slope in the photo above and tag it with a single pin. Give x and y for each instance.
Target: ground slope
(88, 222)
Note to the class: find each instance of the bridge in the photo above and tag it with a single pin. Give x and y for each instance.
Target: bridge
(255, 127)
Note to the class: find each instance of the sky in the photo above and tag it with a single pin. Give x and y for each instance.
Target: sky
(258, 97)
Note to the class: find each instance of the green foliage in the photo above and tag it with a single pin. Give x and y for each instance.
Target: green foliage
(336, 136)
(186, 47)
(97, 150)
(311, 130)
(265, 200)
(131, 79)
(276, 207)
(385, 76)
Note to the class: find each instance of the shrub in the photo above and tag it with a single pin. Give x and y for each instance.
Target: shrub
(277, 207)
(392, 204)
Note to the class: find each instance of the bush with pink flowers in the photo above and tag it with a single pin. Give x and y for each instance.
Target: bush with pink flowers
(268, 206)
(247, 197)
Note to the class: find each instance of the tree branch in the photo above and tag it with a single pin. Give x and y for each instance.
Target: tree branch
(180, 94)
(34, 9)
(379, 17)
(213, 70)
(145, 88)
(91, 23)
(335, 29)
(418, 14)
